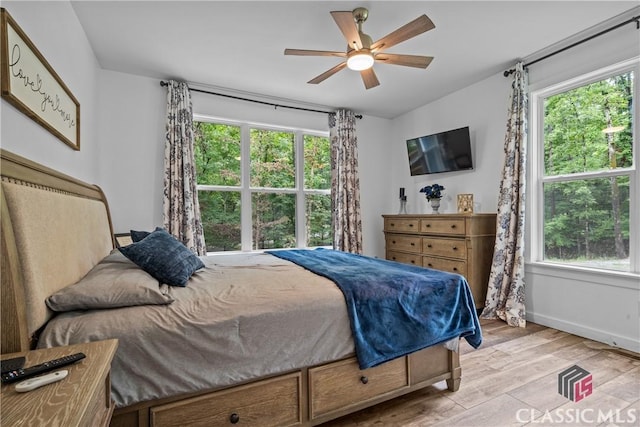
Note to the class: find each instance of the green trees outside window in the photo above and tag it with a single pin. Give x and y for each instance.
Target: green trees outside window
(588, 165)
(274, 192)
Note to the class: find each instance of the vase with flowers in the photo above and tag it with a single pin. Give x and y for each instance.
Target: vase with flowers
(433, 193)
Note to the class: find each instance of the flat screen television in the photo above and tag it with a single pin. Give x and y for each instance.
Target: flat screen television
(441, 152)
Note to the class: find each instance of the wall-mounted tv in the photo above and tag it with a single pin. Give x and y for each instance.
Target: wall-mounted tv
(441, 152)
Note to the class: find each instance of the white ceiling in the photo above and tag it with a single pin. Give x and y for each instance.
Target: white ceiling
(239, 45)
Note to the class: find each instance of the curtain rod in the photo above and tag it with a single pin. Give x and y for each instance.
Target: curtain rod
(163, 83)
(635, 19)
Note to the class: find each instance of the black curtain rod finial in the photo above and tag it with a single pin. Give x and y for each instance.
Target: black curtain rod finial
(163, 83)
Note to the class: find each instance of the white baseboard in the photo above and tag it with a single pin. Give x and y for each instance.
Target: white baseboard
(583, 331)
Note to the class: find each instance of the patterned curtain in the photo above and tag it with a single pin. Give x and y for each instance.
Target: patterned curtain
(181, 208)
(505, 296)
(345, 184)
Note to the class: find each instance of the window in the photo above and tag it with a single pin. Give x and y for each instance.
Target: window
(585, 171)
(262, 187)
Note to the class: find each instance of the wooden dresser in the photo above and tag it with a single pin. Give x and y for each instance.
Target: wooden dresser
(458, 243)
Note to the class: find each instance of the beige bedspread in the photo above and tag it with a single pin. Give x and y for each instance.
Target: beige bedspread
(245, 316)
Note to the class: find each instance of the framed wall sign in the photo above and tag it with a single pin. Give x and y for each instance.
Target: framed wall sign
(31, 85)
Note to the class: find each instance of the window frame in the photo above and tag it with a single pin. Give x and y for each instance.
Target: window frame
(245, 189)
(536, 169)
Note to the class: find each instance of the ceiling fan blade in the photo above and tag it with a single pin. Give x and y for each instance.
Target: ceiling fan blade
(303, 52)
(349, 29)
(406, 60)
(412, 29)
(322, 77)
(369, 78)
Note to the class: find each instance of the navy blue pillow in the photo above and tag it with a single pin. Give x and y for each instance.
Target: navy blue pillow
(164, 257)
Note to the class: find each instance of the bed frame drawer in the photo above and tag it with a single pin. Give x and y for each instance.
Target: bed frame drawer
(272, 402)
(450, 265)
(342, 384)
(452, 248)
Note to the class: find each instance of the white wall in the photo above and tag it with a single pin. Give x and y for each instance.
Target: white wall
(131, 135)
(482, 107)
(133, 142)
(55, 31)
(601, 306)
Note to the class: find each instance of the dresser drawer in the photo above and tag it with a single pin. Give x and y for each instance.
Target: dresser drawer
(405, 258)
(400, 242)
(342, 384)
(403, 225)
(452, 226)
(451, 248)
(450, 265)
(274, 402)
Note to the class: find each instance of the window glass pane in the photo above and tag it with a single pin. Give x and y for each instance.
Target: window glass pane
(317, 163)
(272, 159)
(274, 220)
(586, 222)
(318, 217)
(589, 128)
(220, 212)
(217, 153)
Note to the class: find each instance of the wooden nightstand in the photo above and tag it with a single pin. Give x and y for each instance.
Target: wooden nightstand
(83, 398)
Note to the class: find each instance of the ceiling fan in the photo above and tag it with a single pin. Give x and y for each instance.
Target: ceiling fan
(362, 52)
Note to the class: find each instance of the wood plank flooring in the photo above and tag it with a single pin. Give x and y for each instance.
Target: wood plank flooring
(512, 381)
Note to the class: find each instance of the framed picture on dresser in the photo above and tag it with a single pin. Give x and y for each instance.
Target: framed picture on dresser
(465, 203)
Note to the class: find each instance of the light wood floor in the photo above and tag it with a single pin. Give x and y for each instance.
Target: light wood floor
(512, 381)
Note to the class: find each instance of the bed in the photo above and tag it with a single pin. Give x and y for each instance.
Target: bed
(283, 350)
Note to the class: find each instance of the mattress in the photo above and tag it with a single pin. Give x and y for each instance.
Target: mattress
(243, 317)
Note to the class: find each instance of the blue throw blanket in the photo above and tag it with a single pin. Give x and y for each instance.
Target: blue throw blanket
(395, 309)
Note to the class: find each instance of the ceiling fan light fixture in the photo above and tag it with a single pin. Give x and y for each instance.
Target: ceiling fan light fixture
(359, 61)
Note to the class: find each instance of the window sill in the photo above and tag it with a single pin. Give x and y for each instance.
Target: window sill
(613, 278)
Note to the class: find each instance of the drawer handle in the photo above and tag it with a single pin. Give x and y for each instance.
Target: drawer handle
(393, 258)
(430, 265)
(455, 248)
(234, 418)
(413, 244)
(410, 225)
(429, 246)
(393, 241)
(453, 226)
(413, 261)
(392, 224)
(428, 225)
(455, 268)
(364, 379)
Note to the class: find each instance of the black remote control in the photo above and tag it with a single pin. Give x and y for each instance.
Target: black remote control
(22, 373)
(9, 365)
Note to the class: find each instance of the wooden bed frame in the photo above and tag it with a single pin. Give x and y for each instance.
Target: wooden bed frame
(307, 396)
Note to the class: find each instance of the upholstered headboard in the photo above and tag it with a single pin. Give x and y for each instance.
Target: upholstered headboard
(55, 228)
